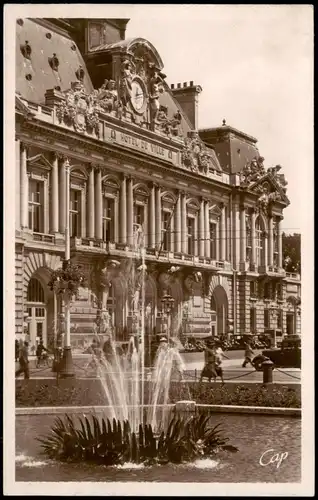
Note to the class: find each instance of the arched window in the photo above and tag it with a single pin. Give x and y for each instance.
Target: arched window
(35, 291)
(259, 243)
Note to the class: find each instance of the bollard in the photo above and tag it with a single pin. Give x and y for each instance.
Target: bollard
(195, 375)
(268, 371)
(185, 409)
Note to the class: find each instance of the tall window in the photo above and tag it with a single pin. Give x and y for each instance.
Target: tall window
(267, 291)
(75, 213)
(259, 244)
(253, 319)
(213, 240)
(35, 291)
(36, 206)
(166, 230)
(253, 289)
(191, 236)
(139, 215)
(108, 219)
(248, 238)
(266, 318)
(280, 319)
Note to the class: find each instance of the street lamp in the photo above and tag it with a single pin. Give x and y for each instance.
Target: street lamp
(167, 304)
(67, 361)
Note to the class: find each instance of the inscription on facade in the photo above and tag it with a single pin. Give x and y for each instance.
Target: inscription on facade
(141, 144)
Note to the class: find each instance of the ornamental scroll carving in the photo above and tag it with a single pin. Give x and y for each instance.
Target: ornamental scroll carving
(195, 155)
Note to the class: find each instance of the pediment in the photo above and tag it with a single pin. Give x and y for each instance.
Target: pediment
(39, 161)
(215, 210)
(268, 186)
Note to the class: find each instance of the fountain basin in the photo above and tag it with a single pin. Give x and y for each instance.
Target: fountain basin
(252, 434)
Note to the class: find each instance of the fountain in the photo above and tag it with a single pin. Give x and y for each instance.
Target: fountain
(123, 374)
(138, 427)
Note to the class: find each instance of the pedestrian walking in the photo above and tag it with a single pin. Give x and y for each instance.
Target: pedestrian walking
(210, 365)
(40, 350)
(24, 361)
(248, 355)
(16, 350)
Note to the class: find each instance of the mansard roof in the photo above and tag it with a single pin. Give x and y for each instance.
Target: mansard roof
(36, 44)
(128, 46)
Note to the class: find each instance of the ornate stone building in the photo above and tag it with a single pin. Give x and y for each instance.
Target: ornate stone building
(96, 106)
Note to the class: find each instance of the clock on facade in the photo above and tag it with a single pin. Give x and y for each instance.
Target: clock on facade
(138, 95)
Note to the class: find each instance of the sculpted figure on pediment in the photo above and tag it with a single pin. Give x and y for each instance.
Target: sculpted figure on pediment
(195, 155)
(155, 89)
(169, 125)
(107, 97)
(252, 172)
(127, 72)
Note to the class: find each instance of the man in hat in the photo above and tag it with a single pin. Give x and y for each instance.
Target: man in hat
(24, 361)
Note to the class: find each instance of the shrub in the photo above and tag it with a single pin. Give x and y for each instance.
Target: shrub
(113, 444)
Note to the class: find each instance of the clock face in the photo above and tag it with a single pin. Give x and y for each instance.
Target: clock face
(137, 95)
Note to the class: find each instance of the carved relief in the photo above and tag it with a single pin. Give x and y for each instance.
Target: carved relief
(253, 172)
(195, 155)
(78, 110)
(169, 126)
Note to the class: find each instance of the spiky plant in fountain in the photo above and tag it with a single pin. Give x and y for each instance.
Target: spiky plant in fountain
(113, 443)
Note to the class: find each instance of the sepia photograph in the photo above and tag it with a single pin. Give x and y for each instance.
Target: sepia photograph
(158, 216)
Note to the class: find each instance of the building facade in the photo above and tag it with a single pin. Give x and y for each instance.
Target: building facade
(95, 106)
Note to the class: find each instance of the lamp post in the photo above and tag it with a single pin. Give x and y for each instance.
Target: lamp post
(167, 303)
(67, 369)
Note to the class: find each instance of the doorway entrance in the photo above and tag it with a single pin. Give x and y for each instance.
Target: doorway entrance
(37, 313)
(219, 312)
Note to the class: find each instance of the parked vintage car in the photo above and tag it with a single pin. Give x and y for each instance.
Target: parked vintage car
(288, 355)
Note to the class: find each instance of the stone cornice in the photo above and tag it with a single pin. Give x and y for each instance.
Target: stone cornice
(88, 145)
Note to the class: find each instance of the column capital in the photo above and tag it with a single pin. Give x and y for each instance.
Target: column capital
(24, 146)
(54, 156)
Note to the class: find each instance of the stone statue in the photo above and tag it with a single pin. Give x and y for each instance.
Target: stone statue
(155, 89)
(127, 73)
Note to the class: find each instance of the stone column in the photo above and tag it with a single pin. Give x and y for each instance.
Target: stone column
(158, 217)
(242, 234)
(17, 185)
(265, 251)
(201, 229)
(184, 231)
(253, 236)
(62, 195)
(207, 230)
(91, 205)
(98, 205)
(123, 211)
(196, 236)
(152, 218)
(270, 241)
(222, 234)
(177, 225)
(280, 243)
(54, 195)
(24, 186)
(130, 212)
